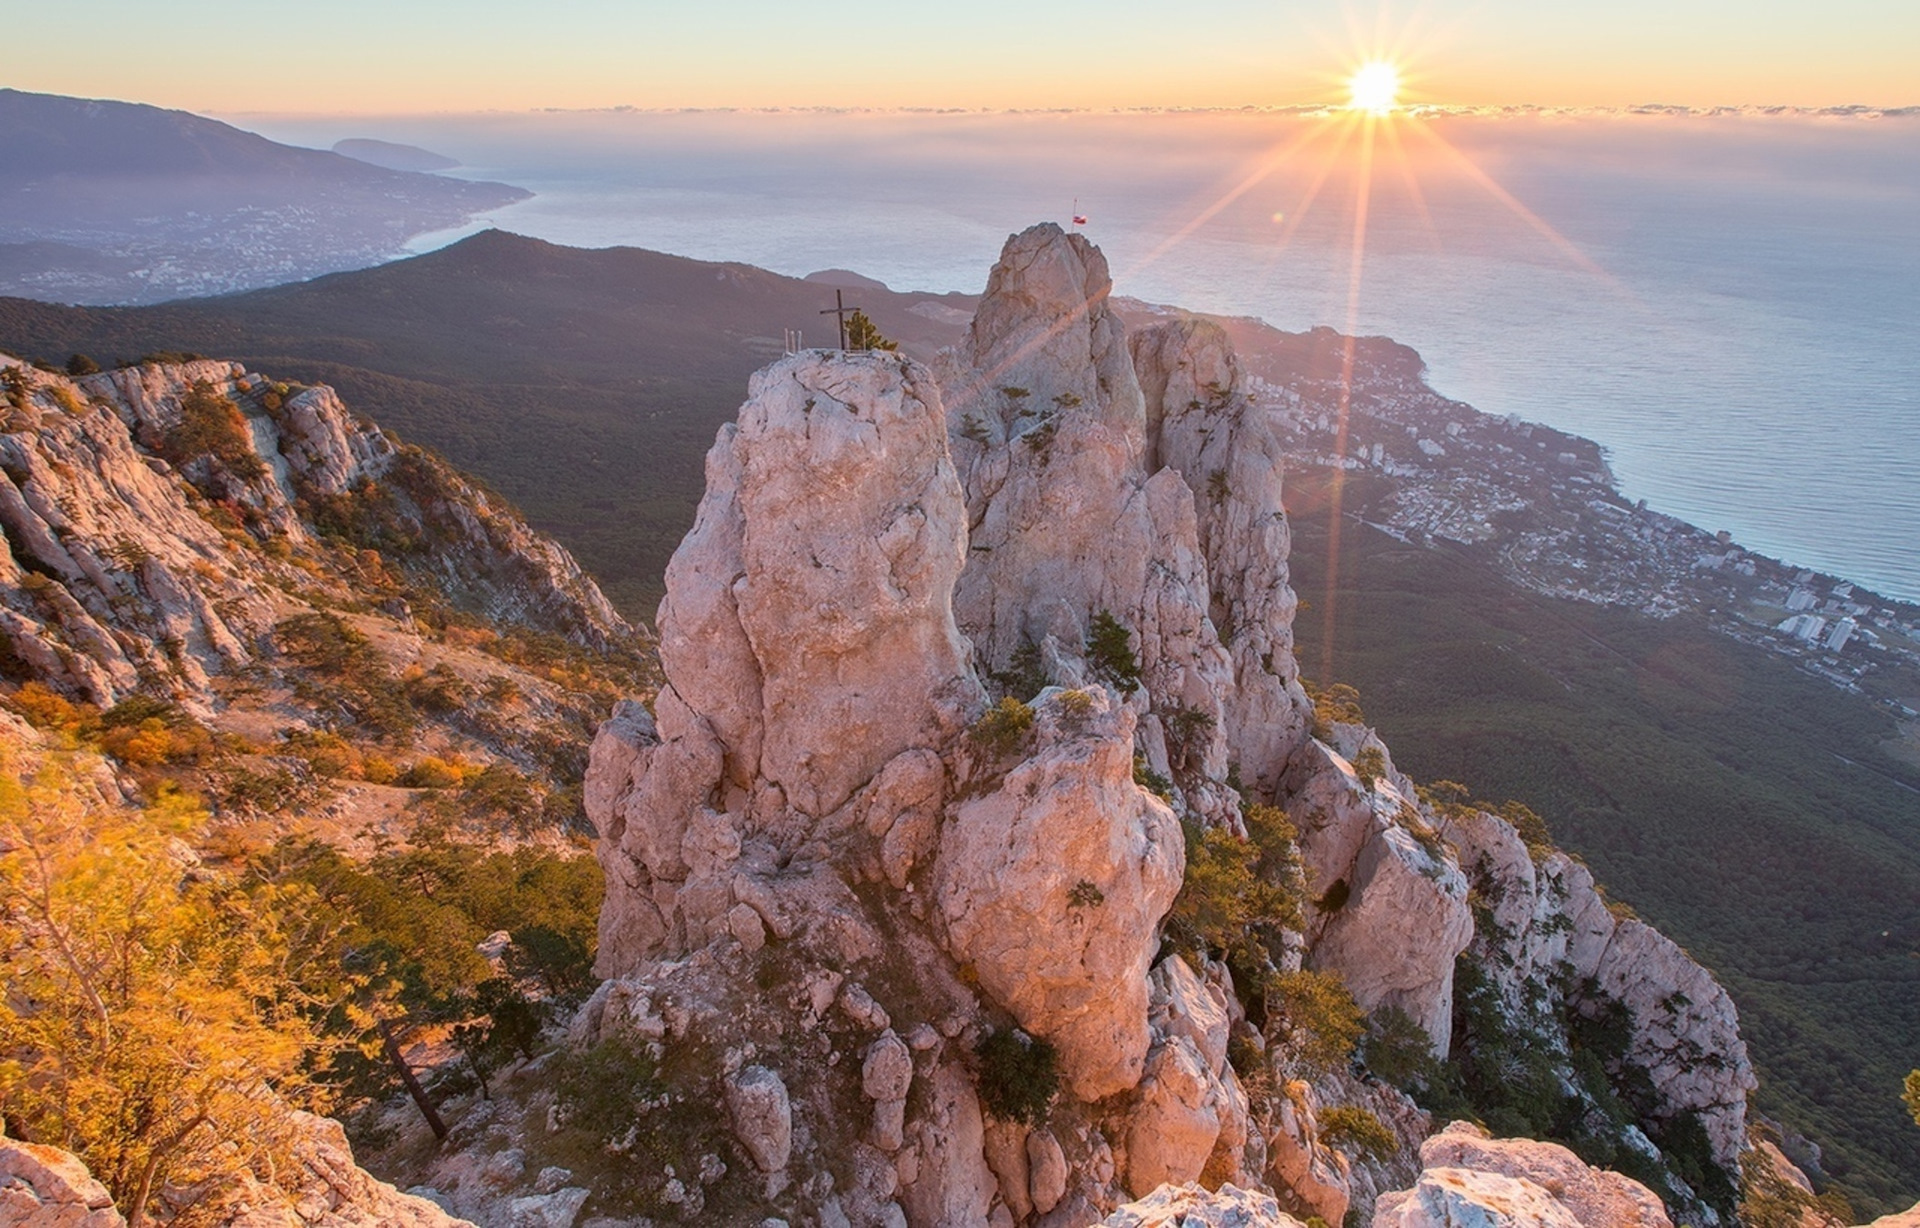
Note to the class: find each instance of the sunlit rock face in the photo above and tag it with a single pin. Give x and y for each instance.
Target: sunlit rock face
(951, 655)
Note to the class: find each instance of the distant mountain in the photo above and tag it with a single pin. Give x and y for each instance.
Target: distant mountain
(114, 202)
(586, 385)
(392, 155)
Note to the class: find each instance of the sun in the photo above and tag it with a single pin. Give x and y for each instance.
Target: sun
(1375, 87)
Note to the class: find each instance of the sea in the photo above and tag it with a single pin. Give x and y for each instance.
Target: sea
(1728, 301)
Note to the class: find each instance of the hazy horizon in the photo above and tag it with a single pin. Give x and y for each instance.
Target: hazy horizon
(441, 56)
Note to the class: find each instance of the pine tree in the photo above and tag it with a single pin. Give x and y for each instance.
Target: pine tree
(862, 335)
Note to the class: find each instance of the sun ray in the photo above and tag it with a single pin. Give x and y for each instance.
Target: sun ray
(1260, 174)
(1492, 187)
(1337, 479)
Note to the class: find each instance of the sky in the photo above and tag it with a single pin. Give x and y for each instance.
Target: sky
(413, 56)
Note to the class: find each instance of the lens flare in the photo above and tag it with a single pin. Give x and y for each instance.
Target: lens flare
(1375, 87)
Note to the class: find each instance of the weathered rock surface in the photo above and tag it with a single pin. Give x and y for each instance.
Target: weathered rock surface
(1548, 918)
(807, 636)
(824, 854)
(44, 1187)
(121, 570)
(1052, 884)
(1594, 1197)
(1200, 425)
(1901, 1219)
(1464, 1198)
(762, 1116)
(1193, 1206)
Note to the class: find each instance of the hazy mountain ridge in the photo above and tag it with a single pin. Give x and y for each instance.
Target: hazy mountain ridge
(162, 204)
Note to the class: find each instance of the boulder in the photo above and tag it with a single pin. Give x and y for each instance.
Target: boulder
(1173, 1129)
(762, 1116)
(45, 1187)
(1464, 1198)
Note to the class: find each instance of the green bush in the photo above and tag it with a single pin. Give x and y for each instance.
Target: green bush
(605, 1088)
(1314, 1017)
(80, 364)
(1002, 728)
(1019, 1076)
(1351, 1128)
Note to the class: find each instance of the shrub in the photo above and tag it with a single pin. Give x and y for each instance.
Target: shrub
(605, 1088)
(1150, 780)
(430, 772)
(1019, 1076)
(1232, 904)
(80, 364)
(1396, 1048)
(1001, 728)
(1338, 704)
(1314, 1016)
(1348, 1126)
(862, 335)
(1911, 1096)
(1110, 653)
(1085, 894)
(1370, 765)
(45, 708)
(212, 425)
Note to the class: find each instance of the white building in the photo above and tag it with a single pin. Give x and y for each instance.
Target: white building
(1801, 599)
(1803, 627)
(1841, 633)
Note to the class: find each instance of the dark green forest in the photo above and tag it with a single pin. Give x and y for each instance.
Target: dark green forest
(1742, 806)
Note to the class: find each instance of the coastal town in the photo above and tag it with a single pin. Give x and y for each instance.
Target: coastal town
(1541, 507)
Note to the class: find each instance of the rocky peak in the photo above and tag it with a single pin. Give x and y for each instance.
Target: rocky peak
(931, 638)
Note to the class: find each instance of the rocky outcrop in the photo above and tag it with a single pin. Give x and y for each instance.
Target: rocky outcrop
(156, 515)
(1470, 1180)
(1194, 1206)
(1068, 521)
(1551, 942)
(1390, 907)
(950, 656)
(45, 1187)
(1201, 426)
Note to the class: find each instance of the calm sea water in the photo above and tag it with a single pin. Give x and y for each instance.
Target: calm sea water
(1731, 305)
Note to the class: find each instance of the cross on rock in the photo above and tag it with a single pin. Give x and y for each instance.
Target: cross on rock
(841, 311)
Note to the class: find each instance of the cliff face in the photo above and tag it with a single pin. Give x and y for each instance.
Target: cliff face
(160, 519)
(951, 656)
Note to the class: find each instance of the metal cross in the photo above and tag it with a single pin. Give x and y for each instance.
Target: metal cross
(840, 310)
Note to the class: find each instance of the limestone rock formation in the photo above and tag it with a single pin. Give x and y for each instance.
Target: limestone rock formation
(951, 655)
(1200, 425)
(1047, 884)
(1549, 919)
(1194, 1206)
(155, 514)
(45, 1187)
(1594, 1197)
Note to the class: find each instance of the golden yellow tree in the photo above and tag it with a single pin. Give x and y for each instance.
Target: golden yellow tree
(151, 1020)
